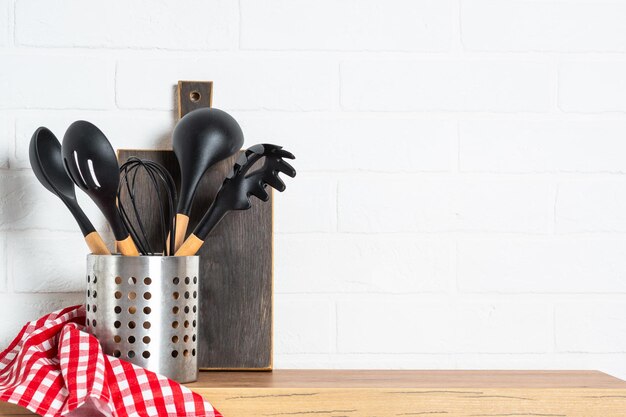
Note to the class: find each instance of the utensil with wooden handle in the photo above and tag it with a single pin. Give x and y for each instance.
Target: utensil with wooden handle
(238, 187)
(47, 162)
(92, 164)
(200, 139)
(143, 177)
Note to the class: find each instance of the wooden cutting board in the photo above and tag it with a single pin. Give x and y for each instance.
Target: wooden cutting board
(236, 283)
(235, 300)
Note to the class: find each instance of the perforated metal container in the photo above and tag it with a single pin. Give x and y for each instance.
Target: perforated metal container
(144, 309)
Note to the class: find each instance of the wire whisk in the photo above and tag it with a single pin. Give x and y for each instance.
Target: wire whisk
(163, 189)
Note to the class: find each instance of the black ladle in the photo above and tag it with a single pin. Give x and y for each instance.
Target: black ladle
(238, 187)
(201, 138)
(47, 162)
(92, 164)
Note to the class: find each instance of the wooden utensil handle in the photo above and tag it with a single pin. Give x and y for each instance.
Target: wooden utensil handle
(190, 247)
(127, 247)
(96, 244)
(182, 221)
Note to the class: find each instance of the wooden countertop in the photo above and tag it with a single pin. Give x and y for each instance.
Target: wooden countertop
(407, 379)
(337, 393)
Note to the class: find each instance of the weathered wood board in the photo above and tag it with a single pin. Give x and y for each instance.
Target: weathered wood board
(235, 300)
(193, 95)
(236, 287)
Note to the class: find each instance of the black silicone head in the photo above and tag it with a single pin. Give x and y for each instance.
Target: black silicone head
(92, 164)
(242, 183)
(200, 139)
(47, 162)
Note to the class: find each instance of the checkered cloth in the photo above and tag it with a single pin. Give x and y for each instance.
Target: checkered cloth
(53, 368)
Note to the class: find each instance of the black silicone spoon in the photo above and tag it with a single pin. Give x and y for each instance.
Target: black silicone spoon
(238, 187)
(201, 138)
(92, 164)
(47, 162)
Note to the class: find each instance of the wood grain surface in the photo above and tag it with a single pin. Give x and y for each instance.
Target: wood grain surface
(235, 297)
(452, 402)
(415, 393)
(323, 378)
(336, 393)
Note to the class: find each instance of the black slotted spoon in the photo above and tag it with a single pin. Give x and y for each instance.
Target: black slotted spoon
(92, 164)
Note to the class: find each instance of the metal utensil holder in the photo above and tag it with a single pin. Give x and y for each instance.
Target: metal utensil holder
(144, 309)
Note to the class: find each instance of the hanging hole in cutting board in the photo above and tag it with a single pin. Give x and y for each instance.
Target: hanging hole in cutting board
(195, 96)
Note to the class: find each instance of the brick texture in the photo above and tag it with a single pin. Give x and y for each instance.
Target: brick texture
(193, 25)
(5, 14)
(241, 83)
(522, 146)
(592, 86)
(460, 199)
(418, 26)
(476, 85)
(574, 319)
(55, 82)
(543, 26)
(467, 326)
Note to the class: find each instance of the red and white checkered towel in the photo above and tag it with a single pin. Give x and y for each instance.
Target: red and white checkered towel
(53, 368)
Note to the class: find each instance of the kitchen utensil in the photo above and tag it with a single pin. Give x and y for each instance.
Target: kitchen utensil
(153, 178)
(144, 310)
(90, 161)
(238, 187)
(47, 163)
(200, 139)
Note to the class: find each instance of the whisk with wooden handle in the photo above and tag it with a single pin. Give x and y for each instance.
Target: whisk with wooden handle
(152, 181)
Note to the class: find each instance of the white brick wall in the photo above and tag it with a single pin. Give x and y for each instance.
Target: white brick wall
(529, 146)
(3, 265)
(6, 131)
(59, 266)
(354, 264)
(591, 206)
(246, 83)
(534, 265)
(581, 317)
(308, 328)
(590, 86)
(193, 25)
(4, 18)
(559, 26)
(461, 200)
(446, 326)
(38, 81)
(330, 25)
(395, 205)
(450, 85)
